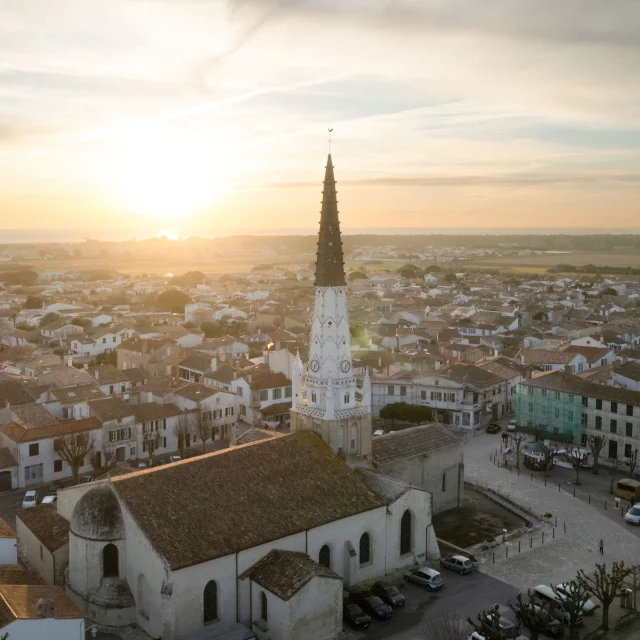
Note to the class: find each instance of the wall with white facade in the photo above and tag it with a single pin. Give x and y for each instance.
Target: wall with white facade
(49, 566)
(49, 628)
(9, 550)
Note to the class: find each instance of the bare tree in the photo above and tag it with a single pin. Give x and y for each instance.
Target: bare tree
(635, 583)
(633, 462)
(182, 431)
(615, 465)
(538, 432)
(202, 425)
(150, 440)
(574, 596)
(447, 626)
(596, 444)
(578, 459)
(518, 439)
(488, 624)
(73, 449)
(605, 585)
(530, 613)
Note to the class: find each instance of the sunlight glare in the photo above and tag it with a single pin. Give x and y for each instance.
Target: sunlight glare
(167, 176)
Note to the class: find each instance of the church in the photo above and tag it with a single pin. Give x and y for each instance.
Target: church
(258, 540)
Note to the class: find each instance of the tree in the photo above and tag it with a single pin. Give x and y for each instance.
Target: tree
(203, 426)
(182, 432)
(33, 302)
(85, 323)
(633, 462)
(446, 626)
(150, 440)
(73, 449)
(608, 292)
(488, 624)
(635, 583)
(532, 614)
(518, 439)
(24, 277)
(606, 586)
(172, 300)
(574, 596)
(596, 444)
(357, 275)
(108, 357)
(538, 432)
(450, 278)
(48, 318)
(615, 464)
(578, 459)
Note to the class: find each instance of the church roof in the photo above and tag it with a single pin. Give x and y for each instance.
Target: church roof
(387, 486)
(411, 442)
(214, 505)
(330, 261)
(284, 573)
(50, 528)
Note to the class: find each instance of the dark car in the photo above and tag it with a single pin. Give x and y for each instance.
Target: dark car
(494, 427)
(507, 627)
(354, 616)
(388, 593)
(372, 605)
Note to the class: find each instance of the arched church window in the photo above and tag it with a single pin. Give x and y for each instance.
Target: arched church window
(313, 396)
(405, 532)
(444, 481)
(264, 612)
(210, 602)
(365, 548)
(324, 557)
(110, 568)
(346, 398)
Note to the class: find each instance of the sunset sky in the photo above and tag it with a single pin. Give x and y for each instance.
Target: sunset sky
(206, 115)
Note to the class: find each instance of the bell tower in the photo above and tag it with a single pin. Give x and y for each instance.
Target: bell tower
(324, 397)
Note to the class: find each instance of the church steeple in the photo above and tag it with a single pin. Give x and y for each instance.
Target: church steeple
(329, 261)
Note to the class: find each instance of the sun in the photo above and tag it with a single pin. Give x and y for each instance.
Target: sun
(168, 177)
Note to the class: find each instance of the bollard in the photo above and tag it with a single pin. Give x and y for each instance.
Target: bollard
(518, 546)
(589, 498)
(494, 557)
(545, 481)
(553, 532)
(558, 487)
(574, 492)
(543, 537)
(531, 541)
(565, 527)
(506, 552)
(509, 468)
(556, 521)
(605, 505)
(518, 472)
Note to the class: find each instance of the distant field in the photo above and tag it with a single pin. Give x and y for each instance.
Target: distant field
(537, 264)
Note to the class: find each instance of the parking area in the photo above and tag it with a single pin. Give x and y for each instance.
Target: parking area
(467, 595)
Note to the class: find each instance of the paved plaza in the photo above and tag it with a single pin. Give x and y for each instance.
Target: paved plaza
(559, 558)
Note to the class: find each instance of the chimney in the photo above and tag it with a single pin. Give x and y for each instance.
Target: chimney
(214, 364)
(96, 374)
(85, 366)
(70, 361)
(45, 608)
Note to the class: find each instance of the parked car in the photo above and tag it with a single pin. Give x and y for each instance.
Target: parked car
(142, 465)
(547, 597)
(49, 499)
(354, 616)
(507, 626)
(458, 563)
(53, 489)
(425, 577)
(30, 499)
(552, 626)
(378, 432)
(564, 589)
(388, 593)
(372, 605)
(494, 427)
(511, 426)
(633, 515)
(174, 458)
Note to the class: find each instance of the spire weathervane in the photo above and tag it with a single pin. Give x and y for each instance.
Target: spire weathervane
(329, 140)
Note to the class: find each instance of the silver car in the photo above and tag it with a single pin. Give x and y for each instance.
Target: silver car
(425, 577)
(461, 564)
(633, 515)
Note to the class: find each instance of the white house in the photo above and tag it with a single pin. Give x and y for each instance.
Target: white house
(103, 340)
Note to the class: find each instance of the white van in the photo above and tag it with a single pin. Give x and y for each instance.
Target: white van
(546, 595)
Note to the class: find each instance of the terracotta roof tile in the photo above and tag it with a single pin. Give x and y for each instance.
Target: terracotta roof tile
(51, 529)
(7, 459)
(18, 602)
(17, 574)
(284, 573)
(15, 392)
(154, 411)
(20, 433)
(220, 503)
(110, 408)
(410, 442)
(6, 531)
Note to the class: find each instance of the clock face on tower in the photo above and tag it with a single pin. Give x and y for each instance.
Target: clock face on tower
(314, 366)
(345, 366)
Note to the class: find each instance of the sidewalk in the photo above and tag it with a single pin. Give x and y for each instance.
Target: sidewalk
(557, 559)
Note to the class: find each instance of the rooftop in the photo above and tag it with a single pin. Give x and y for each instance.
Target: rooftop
(284, 573)
(110, 409)
(255, 502)
(51, 529)
(18, 602)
